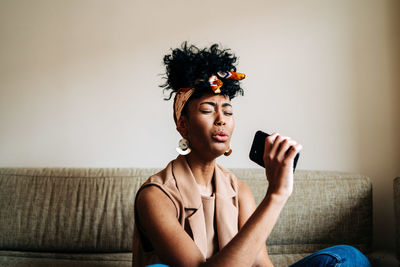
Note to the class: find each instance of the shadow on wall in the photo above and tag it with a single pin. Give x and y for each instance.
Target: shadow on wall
(376, 95)
(394, 21)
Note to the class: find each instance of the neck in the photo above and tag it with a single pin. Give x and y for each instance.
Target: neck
(202, 169)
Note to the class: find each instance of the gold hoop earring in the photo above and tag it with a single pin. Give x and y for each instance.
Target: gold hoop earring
(228, 152)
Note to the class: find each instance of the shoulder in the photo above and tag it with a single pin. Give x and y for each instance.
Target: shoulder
(164, 180)
(159, 188)
(153, 199)
(244, 191)
(163, 177)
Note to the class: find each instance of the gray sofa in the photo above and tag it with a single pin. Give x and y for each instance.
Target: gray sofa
(84, 217)
(396, 198)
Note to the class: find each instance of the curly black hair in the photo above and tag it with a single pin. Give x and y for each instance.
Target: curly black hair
(190, 66)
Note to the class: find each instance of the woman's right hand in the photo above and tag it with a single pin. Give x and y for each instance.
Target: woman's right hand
(279, 162)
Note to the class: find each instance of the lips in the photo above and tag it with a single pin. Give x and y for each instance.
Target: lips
(220, 137)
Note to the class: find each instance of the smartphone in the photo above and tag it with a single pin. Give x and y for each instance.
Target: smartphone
(257, 149)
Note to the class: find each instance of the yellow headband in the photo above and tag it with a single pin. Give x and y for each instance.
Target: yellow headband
(183, 94)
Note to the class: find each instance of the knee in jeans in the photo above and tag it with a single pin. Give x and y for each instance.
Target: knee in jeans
(348, 250)
(340, 255)
(350, 254)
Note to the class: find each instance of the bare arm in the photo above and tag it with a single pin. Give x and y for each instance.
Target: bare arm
(247, 205)
(176, 248)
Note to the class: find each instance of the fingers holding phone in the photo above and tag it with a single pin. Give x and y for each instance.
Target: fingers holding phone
(276, 151)
(279, 154)
(281, 148)
(261, 143)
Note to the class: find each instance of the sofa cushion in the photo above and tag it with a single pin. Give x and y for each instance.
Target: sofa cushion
(91, 210)
(57, 209)
(36, 259)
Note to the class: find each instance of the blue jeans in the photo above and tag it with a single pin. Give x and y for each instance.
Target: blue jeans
(336, 256)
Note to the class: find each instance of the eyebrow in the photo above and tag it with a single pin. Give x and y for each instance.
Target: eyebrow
(214, 104)
(209, 103)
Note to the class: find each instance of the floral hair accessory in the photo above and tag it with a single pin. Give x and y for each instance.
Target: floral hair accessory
(216, 83)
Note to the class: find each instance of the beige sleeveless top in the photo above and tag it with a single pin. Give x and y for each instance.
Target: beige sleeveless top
(211, 221)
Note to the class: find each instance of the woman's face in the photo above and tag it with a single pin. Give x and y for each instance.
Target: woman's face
(209, 125)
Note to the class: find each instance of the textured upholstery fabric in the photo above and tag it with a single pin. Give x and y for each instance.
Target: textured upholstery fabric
(75, 210)
(326, 208)
(64, 216)
(17, 259)
(396, 196)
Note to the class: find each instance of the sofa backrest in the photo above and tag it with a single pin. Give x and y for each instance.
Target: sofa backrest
(56, 209)
(396, 202)
(91, 210)
(325, 209)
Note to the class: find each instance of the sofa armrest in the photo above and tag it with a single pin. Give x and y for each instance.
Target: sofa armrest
(396, 204)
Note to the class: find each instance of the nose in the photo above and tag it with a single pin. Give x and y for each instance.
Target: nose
(219, 121)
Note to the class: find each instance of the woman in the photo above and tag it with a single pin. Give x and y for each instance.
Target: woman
(197, 213)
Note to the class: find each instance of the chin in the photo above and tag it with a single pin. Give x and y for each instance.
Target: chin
(213, 150)
(220, 151)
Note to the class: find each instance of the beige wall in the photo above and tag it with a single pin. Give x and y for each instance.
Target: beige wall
(79, 83)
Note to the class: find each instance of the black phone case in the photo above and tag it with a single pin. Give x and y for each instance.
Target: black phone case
(257, 150)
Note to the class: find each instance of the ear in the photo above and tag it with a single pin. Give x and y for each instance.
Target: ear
(182, 126)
